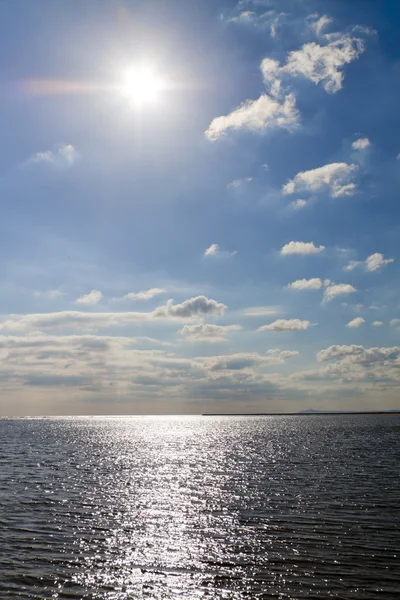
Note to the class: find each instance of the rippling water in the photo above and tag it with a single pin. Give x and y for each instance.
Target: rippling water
(200, 507)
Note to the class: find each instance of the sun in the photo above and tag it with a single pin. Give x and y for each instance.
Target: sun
(142, 85)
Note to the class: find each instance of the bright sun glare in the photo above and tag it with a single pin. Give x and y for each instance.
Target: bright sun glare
(141, 85)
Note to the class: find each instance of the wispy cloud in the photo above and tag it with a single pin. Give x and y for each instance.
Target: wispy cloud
(238, 182)
(374, 262)
(144, 295)
(193, 308)
(318, 23)
(48, 294)
(260, 311)
(61, 156)
(214, 251)
(299, 204)
(206, 332)
(286, 325)
(92, 297)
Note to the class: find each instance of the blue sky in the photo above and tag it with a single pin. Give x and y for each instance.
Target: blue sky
(228, 242)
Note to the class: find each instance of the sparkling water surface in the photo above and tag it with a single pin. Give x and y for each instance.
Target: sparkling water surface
(200, 507)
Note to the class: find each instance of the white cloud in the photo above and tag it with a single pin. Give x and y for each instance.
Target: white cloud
(394, 322)
(260, 311)
(214, 251)
(359, 354)
(337, 177)
(298, 204)
(373, 263)
(286, 325)
(144, 295)
(306, 284)
(92, 297)
(323, 64)
(246, 360)
(246, 17)
(48, 294)
(301, 248)
(339, 289)
(206, 332)
(319, 64)
(357, 322)
(281, 355)
(361, 365)
(238, 182)
(353, 264)
(194, 307)
(318, 23)
(376, 261)
(377, 323)
(361, 144)
(62, 156)
(257, 116)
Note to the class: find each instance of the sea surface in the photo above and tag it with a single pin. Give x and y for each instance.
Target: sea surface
(200, 507)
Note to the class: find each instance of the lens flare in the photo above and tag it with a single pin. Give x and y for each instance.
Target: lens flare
(141, 85)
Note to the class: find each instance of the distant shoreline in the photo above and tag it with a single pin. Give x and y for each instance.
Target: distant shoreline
(306, 413)
(315, 413)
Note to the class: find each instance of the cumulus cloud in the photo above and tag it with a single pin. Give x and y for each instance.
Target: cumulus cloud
(359, 354)
(338, 178)
(306, 284)
(206, 332)
(377, 323)
(361, 144)
(144, 295)
(194, 307)
(357, 322)
(318, 63)
(92, 297)
(361, 365)
(257, 116)
(339, 289)
(286, 325)
(214, 251)
(394, 322)
(376, 261)
(62, 156)
(301, 248)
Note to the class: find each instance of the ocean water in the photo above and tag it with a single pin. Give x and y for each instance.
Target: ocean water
(200, 507)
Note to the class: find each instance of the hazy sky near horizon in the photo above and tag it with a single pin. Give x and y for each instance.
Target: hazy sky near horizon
(200, 206)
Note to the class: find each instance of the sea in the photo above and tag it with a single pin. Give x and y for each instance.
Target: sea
(200, 507)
